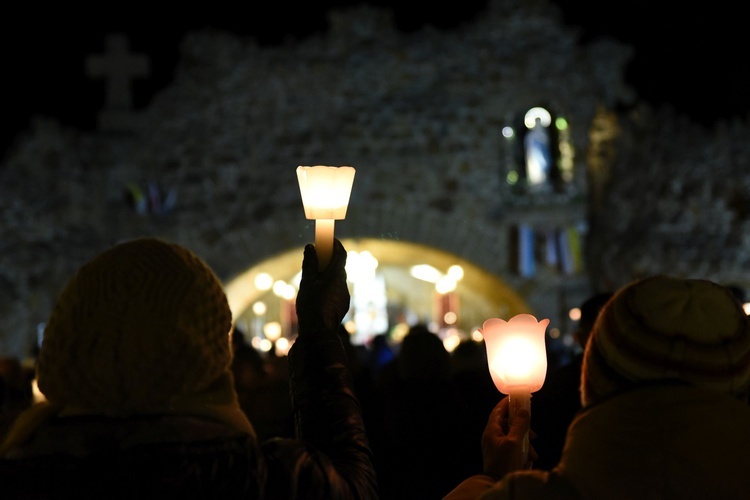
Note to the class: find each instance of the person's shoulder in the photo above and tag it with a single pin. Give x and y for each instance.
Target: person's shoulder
(222, 467)
(526, 484)
(532, 485)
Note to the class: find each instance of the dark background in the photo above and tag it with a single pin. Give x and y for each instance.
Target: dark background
(694, 59)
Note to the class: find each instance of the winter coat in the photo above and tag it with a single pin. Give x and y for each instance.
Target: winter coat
(188, 456)
(656, 442)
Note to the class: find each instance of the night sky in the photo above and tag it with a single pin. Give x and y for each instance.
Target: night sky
(695, 59)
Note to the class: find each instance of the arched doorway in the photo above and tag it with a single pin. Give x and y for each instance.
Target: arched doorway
(395, 293)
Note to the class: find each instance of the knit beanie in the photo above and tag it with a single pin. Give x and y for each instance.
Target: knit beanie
(141, 325)
(663, 328)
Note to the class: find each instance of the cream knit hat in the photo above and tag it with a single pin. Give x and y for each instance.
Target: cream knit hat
(666, 328)
(141, 325)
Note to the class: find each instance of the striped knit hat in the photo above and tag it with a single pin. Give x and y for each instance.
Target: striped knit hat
(142, 324)
(665, 328)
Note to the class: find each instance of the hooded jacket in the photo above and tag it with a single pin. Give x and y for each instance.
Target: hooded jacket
(195, 456)
(654, 442)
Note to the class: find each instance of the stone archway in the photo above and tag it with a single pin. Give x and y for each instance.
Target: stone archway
(481, 294)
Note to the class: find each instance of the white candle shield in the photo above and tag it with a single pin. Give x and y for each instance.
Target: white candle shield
(517, 360)
(325, 193)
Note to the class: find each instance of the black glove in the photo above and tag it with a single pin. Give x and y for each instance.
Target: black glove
(323, 298)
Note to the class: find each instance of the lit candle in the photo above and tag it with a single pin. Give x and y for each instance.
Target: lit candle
(517, 360)
(325, 195)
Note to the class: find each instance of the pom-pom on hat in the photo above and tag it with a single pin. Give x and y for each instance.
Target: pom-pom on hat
(665, 328)
(142, 324)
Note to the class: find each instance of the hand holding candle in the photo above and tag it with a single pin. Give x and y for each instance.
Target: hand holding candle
(517, 359)
(325, 195)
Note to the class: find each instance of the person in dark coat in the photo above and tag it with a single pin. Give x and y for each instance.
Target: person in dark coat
(135, 366)
(664, 389)
(423, 446)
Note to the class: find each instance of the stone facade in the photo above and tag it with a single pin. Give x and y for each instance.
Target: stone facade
(420, 116)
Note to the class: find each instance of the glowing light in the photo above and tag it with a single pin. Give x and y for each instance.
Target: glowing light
(263, 281)
(289, 292)
(325, 195)
(517, 360)
(450, 318)
(284, 290)
(36, 393)
(451, 341)
(532, 114)
(456, 272)
(278, 287)
(508, 132)
(360, 266)
(272, 330)
(575, 313)
(399, 331)
(282, 347)
(476, 335)
(516, 352)
(445, 285)
(259, 308)
(296, 279)
(425, 272)
(265, 345)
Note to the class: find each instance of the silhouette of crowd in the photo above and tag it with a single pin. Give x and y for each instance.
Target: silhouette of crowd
(150, 391)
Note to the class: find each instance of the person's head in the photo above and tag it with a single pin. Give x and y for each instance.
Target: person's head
(141, 325)
(469, 355)
(664, 328)
(589, 311)
(423, 356)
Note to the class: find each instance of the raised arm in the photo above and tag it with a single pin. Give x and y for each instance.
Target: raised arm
(336, 460)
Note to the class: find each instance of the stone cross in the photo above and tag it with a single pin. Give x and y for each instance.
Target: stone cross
(118, 66)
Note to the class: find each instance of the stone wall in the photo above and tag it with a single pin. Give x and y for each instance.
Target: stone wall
(420, 116)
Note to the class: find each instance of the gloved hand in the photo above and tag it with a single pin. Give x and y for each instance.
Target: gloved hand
(323, 297)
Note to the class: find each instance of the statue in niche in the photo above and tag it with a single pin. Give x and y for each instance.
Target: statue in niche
(537, 149)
